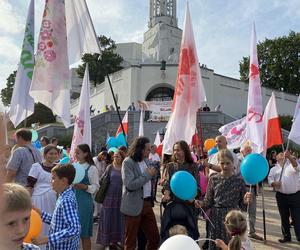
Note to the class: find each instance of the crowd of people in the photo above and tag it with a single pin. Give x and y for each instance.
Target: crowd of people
(127, 181)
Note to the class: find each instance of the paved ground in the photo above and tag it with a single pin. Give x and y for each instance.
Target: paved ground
(272, 225)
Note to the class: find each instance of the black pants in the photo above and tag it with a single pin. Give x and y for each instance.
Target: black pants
(289, 205)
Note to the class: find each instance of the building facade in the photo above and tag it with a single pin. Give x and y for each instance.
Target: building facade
(143, 77)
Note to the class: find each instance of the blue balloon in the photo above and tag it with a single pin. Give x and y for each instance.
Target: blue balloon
(34, 136)
(112, 142)
(37, 144)
(184, 185)
(113, 149)
(212, 151)
(64, 160)
(254, 168)
(80, 172)
(121, 140)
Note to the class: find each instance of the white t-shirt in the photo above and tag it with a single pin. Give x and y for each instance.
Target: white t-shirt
(147, 185)
(43, 183)
(154, 157)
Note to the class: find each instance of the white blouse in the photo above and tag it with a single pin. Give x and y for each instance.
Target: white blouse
(93, 178)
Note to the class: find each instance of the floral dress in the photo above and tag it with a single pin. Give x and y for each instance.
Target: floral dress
(223, 194)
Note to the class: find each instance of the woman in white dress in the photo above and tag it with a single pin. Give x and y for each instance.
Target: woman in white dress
(39, 183)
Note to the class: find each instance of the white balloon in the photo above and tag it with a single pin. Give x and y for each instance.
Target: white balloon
(179, 242)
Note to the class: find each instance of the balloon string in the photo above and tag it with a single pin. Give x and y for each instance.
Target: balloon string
(206, 216)
(248, 217)
(202, 239)
(249, 202)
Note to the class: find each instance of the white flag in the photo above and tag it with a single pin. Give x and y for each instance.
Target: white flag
(141, 127)
(80, 31)
(22, 104)
(189, 91)
(51, 77)
(254, 131)
(82, 126)
(235, 133)
(157, 139)
(295, 130)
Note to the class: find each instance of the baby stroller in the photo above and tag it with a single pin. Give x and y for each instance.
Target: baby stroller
(178, 213)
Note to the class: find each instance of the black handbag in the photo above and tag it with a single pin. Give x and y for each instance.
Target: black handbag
(103, 183)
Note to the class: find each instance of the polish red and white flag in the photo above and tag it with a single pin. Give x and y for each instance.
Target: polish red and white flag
(272, 127)
(125, 125)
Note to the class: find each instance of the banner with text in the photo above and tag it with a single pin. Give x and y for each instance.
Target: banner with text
(158, 111)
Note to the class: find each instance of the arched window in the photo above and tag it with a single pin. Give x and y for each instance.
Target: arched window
(161, 94)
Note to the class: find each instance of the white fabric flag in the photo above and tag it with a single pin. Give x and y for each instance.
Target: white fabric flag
(254, 131)
(189, 91)
(51, 77)
(157, 139)
(22, 104)
(235, 133)
(82, 126)
(141, 127)
(80, 31)
(295, 130)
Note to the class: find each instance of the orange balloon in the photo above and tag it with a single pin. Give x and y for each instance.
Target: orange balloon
(35, 226)
(209, 143)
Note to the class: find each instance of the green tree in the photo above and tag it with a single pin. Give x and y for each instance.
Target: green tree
(109, 62)
(286, 122)
(279, 63)
(42, 114)
(6, 93)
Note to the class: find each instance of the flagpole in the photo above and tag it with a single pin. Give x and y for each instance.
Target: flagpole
(287, 148)
(25, 121)
(263, 210)
(107, 75)
(115, 101)
(201, 133)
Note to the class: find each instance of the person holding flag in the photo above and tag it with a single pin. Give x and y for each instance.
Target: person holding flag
(284, 178)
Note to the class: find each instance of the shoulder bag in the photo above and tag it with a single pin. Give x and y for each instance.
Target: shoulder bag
(103, 183)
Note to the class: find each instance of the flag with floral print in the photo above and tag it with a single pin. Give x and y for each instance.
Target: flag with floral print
(51, 77)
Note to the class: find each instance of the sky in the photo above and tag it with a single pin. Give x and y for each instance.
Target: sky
(222, 28)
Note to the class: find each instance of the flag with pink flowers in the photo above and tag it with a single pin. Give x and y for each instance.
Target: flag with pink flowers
(254, 121)
(51, 78)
